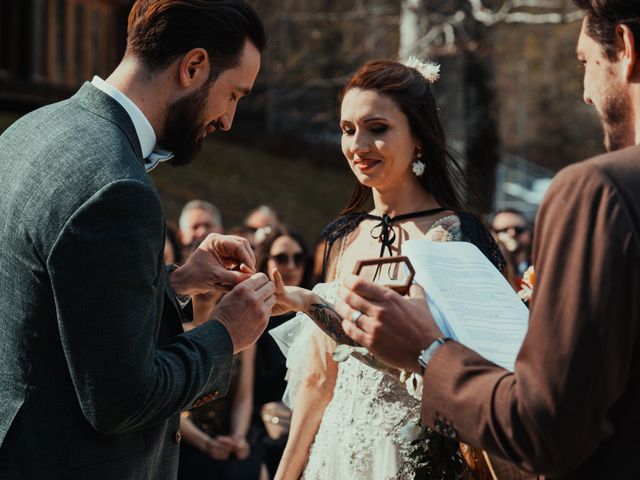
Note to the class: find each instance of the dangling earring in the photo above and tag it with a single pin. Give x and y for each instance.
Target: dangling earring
(418, 165)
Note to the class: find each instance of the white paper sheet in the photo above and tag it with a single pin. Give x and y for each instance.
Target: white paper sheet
(470, 299)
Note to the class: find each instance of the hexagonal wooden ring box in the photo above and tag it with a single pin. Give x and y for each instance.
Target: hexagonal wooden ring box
(396, 277)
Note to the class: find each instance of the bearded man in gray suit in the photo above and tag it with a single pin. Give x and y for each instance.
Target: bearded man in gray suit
(94, 366)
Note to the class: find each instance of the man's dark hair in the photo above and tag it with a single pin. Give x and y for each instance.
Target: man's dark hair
(160, 31)
(604, 15)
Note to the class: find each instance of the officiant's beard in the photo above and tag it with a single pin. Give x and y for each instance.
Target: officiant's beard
(183, 129)
(617, 122)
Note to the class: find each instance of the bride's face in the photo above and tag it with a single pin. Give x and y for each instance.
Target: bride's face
(376, 140)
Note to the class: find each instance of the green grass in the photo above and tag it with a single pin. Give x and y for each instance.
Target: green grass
(238, 178)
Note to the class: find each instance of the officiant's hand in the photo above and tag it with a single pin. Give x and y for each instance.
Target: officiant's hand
(288, 298)
(392, 327)
(219, 263)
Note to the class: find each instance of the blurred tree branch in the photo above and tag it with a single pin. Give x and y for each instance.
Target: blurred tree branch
(443, 28)
(448, 26)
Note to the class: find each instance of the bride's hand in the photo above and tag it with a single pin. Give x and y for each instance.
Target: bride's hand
(288, 299)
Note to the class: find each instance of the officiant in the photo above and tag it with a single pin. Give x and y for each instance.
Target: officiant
(570, 408)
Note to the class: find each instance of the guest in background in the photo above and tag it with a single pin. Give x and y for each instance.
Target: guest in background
(262, 216)
(262, 220)
(215, 436)
(215, 442)
(244, 231)
(515, 233)
(285, 249)
(197, 220)
(505, 242)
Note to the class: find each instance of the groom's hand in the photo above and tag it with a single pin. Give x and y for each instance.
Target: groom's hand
(395, 329)
(246, 309)
(219, 263)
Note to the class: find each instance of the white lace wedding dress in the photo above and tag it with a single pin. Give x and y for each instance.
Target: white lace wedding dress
(366, 430)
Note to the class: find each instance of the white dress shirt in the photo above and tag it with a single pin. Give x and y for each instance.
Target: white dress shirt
(144, 130)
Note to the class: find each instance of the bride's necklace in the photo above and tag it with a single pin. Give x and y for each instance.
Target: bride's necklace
(383, 231)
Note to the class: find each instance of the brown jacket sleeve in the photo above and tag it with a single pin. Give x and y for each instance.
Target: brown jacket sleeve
(552, 412)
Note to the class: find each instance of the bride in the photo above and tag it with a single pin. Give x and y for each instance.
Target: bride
(351, 420)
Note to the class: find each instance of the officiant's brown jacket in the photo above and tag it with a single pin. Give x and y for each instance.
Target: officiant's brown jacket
(571, 409)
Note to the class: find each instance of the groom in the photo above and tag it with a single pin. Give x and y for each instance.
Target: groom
(571, 408)
(93, 365)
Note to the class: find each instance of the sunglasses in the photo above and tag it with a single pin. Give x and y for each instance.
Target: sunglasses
(283, 259)
(518, 230)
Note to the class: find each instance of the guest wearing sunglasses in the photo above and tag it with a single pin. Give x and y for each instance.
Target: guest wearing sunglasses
(515, 234)
(285, 249)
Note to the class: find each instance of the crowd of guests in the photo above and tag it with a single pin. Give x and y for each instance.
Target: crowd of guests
(243, 435)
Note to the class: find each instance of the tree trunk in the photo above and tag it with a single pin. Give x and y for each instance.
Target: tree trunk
(481, 126)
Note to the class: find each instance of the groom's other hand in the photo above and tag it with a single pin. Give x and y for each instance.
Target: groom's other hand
(246, 309)
(393, 328)
(219, 263)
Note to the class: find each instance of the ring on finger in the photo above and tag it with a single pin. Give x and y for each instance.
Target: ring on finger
(355, 316)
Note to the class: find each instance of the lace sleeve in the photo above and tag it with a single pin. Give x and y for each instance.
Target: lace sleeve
(304, 345)
(474, 231)
(336, 230)
(464, 227)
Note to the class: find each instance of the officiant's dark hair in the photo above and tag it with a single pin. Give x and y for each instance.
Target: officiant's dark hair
(160, 31)
(603, 16)
(444, 177)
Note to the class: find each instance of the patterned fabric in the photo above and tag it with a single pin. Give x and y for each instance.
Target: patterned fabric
(361, 432)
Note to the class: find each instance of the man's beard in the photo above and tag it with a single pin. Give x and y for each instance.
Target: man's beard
(617, 122)
(183, 129)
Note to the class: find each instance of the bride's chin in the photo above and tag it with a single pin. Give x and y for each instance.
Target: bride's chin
(369, 184)
(365, 181)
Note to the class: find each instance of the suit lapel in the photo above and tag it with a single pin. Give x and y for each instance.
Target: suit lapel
(102, 105)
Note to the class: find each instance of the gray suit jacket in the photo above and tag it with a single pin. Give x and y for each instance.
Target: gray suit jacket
(93, 367)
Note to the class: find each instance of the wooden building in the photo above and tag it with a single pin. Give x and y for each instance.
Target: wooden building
(48, 48)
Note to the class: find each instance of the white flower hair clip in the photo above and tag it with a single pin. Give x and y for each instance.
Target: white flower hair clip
(429, 70)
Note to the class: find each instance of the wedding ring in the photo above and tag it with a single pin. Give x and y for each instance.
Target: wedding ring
(355, 316)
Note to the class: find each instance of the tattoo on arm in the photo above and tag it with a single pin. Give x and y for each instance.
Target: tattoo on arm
(324, 315)
(330, 321)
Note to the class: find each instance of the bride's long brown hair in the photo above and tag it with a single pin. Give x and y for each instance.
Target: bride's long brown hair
(444, 177)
